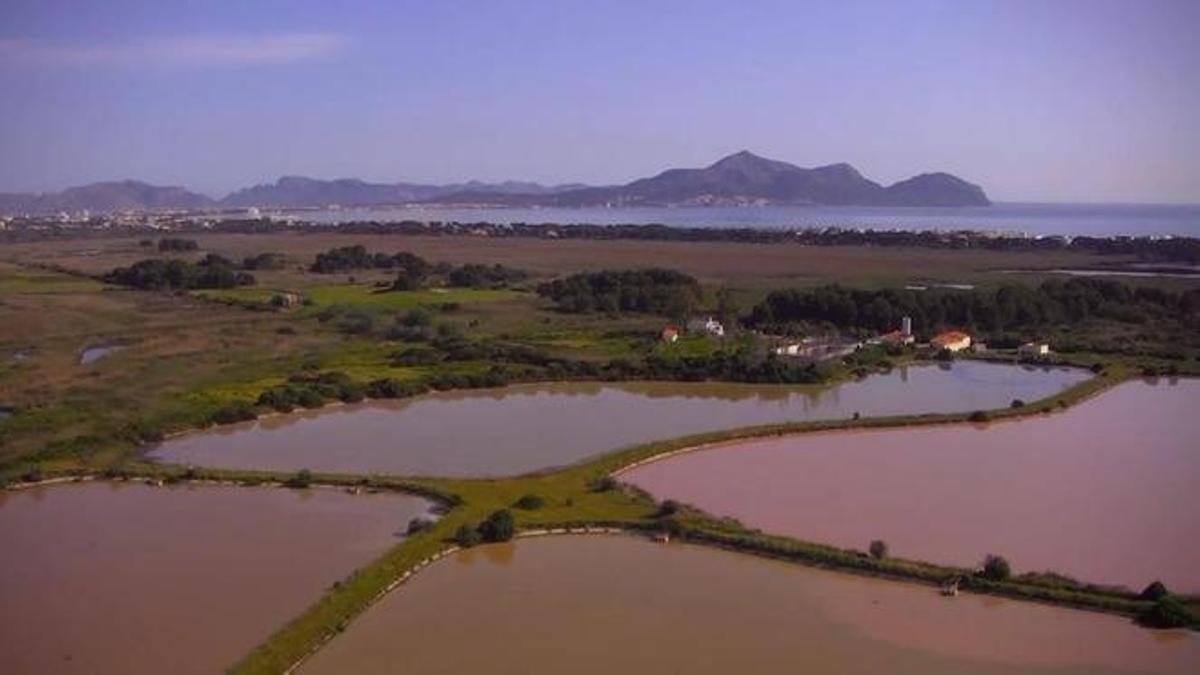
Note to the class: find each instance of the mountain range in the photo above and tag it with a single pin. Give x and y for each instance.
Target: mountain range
(741, 178)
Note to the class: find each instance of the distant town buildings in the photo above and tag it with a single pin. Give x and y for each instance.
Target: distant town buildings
(951, 341)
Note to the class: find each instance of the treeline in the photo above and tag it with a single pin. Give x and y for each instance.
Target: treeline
(263, 261)
(1010, 307)
(160, 275)
(653, 291)
(414, 272)
(178, 245)
(1173, 249)
(485, 276)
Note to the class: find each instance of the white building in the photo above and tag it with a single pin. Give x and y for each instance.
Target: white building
(1033, 350)
(708, 325)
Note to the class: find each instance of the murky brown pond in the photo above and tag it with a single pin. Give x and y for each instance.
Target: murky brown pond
(124, 578)
(619, 604)
(522, 429)
(1108, 491)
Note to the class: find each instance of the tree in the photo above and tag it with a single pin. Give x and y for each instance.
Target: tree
(1155, 591)
(499, 526)
(996, 568)
(466, 536)
(302, 479)
(878, 549)
(530, 502)
(668, 508)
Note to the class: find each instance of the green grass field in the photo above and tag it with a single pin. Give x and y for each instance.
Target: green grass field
(19, 280)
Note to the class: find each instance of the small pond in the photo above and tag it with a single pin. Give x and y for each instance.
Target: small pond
(1106, 491)
(123, 578)
(93, 354)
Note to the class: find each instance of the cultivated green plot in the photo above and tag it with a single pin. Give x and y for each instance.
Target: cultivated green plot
(16, 280)
(366, 297)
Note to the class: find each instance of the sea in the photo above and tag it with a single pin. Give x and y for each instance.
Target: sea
(1011, 218)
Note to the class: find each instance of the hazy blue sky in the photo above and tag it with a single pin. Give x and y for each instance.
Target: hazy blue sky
(1053, 100)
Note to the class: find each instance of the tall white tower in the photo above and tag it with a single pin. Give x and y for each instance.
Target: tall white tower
(906, 325)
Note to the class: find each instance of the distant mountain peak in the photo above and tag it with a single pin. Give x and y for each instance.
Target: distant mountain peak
(740, 178)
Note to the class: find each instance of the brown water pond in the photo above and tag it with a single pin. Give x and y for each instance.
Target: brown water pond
(1108, 491)
(620, 604)
(126, 578)
(526, 428)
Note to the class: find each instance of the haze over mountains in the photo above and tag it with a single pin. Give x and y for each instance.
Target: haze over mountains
(741, 178)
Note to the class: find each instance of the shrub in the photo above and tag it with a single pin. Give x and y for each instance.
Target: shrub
(878, 549)
(171, 244)
(239, 411)
(466, 536)
(996, 568)
(530, 502)
(979, 416)
(302, 479)
(1017, 403)
(1154, 592)
(604, 484)
(667, 509)
(499, 526)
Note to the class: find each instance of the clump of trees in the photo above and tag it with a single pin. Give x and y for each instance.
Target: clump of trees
(302, 479)
(177, 245)
(311, 391)
(466, 536)
(483, 276)
(263, 261)
(414, 272)
(995, 568)
(356, 257)
(160, 275)
(1011, 307)
(653, 291)
(497, 527)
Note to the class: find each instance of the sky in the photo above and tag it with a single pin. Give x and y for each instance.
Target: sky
(1057, 101)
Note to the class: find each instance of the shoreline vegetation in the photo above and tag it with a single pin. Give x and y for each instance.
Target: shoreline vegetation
(588, 498)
